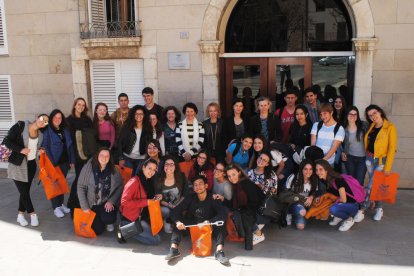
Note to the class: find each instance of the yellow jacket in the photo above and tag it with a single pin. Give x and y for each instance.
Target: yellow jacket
(385, 144)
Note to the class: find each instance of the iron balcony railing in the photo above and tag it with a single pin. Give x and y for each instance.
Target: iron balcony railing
(110, 29)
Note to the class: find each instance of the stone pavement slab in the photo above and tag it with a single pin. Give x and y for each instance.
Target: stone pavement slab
(380, 248)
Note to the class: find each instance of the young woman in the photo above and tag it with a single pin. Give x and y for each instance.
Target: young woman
(339, 109)
(133, 139)
(214, 132)
(170, 184)
(104, 126)
(154, 127)
(259, 145)
(59, 148)
(380, 146)
(190, 133)
(301, 128)
(353, 155)
(171, 116)
(203, 166)
(222, 189)
(153, 151)
(246, 200)
(262, 174)
(266, 123)
(304, 183)
(78, 120)
(134, 201)
(236, 125)
(24, 139)
(347, 207)
(100, 189)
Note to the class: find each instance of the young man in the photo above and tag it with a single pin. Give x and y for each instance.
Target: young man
(266, 123)
(287, 113)
(240, 152)
(311, 103)
(120, 115)
(201, 208)
(327, 134)
(150, 106)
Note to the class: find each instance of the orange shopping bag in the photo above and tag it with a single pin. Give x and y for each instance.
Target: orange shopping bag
(384, 188)
(126, 173)
(232, 233)
(154, 209)
(83, 223)
(54, 182)
(201, 240)
(186, 166)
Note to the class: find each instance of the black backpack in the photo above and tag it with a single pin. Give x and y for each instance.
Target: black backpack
(275, 209)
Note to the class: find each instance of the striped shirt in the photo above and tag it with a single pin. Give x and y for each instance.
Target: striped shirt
(195, 145)
(326, 137)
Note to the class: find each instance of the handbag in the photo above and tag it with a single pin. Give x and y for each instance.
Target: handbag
(129, 229)
(273, 208)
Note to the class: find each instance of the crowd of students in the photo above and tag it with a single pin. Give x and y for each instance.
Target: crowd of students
(236, 162)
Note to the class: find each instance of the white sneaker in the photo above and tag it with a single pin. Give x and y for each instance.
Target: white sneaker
(289, 219)
(260, 226)
(346, 225)
(64, 209)
(359, 216)
(378, 214)
(22, 220)
(110, 228)
(168, 228)
(258, 239)
(335, 221)
(34, 220)
(58, 212)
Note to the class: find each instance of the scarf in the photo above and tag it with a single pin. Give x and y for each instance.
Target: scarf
(184, 135)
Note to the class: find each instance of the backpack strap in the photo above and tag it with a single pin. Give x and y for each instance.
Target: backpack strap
(236, 149)
(336, 128)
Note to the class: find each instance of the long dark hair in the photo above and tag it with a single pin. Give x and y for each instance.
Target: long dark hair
(157, 128)
(331, 174)
(341, 114)
(306, 111)
(156, 143)
(95, 161)
(360, 127)
(95, 120)
(207, 165)
(298, 180)
(238, 100)
(234, 166)
(376, 107)
(130, 122)
(268, 170)
(53, 114)
(178, 175)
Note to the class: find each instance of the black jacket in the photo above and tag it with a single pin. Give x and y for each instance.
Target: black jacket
(127, 140)
(14, 142)
(229, 129)
(273, 127)
(208, 140)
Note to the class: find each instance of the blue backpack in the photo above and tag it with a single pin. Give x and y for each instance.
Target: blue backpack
(358, 191)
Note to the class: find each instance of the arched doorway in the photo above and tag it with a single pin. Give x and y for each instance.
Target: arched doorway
(212, 46)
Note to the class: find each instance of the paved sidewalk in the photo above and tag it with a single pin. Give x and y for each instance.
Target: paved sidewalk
(369, 248)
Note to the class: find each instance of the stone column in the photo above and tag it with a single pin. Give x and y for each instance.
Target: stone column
(80, 83)
(209, 61)
(364, 48)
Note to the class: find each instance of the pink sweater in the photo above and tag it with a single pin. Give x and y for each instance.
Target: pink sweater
(106, 132)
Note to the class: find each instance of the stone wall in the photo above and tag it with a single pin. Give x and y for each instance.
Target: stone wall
(40, 34)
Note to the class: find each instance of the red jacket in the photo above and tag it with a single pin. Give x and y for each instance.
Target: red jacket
(133, 199)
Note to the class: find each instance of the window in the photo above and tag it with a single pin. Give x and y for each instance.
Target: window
(109, 78)
(6, 108)
(3, 34)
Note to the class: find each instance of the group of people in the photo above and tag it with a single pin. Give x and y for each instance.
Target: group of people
(234, 162)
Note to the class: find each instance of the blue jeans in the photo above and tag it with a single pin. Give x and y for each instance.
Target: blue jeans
(344, 210)
(356, 167)
(295, 210)
(372, 166)
(146, 236)
(132, 163)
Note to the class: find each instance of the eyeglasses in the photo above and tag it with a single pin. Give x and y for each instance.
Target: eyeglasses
(169, 165)
(261, 159)
(352, 114)
(219, 170)
(202, 157)
(373, 113)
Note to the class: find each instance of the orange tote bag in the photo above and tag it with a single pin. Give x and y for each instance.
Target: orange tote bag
(154, 209)
(54, 182)
(201, 240)
(83, 223)
(186, 166)
(126, 173)
(384, 188)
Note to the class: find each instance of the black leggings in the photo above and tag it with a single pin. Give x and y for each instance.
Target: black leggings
(102, 218)
(25, 202)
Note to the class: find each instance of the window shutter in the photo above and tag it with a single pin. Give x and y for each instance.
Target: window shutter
(3, 34)
(6, 108)
(97, 17)
(109, 78)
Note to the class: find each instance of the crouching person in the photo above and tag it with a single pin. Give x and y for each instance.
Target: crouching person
(201, 208)
(134, 202)
(99, 189)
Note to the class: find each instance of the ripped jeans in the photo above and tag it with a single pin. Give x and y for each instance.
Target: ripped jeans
(373, 165)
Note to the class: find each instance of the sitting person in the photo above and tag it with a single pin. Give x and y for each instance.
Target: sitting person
(240, 152)
(222, 189)
(202, 208)
(99, 189)
(304, 183)
(203, 166)
(134, 201)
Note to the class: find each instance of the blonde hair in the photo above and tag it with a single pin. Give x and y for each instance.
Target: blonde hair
(261, 99)
(216, 105)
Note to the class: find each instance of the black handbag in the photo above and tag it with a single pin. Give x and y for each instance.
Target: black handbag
(273, 208)
(128, 229)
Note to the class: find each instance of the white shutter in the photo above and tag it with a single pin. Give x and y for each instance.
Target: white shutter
(3, 34)
(6, 109)
(109, 78)
(97, 15)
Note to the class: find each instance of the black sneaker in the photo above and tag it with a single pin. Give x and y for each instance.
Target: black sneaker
(174, 253)
(219, 255)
